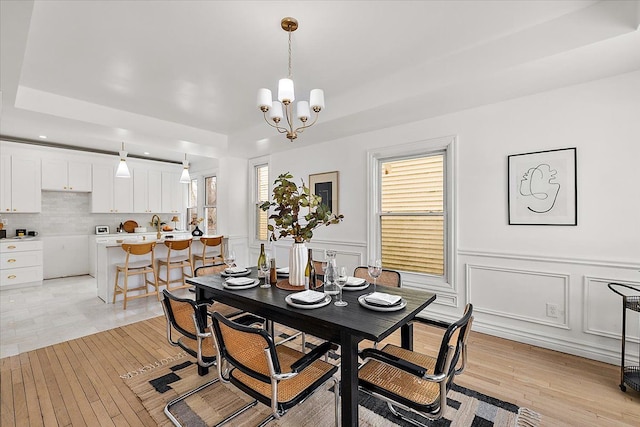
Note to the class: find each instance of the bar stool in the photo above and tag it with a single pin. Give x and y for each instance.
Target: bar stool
(210, 256)
(135, 266)
(176, 258)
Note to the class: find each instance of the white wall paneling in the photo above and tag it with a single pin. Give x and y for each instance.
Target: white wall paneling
(518, 294)
(603, 310)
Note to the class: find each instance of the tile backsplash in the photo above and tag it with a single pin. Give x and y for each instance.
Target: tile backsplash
(68, 213)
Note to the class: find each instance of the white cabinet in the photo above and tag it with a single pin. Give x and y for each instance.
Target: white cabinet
(62, 175)
(173, 193)
(110, 194)
(20, 189)
(20, 263)
(147, 191)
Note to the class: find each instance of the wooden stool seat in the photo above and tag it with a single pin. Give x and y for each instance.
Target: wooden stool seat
(176, 259)
(133, 266)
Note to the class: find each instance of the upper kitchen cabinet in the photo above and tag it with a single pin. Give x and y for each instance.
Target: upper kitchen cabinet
(62, 175)
(147, 191)
(110, 194)
(20, 190)
(173, 193)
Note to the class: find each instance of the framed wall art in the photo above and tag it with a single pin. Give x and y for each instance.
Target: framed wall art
(542, 188)
(325, 185)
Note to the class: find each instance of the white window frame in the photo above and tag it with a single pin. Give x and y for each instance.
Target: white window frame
(204, 206)
(420, 148)
(253, 192)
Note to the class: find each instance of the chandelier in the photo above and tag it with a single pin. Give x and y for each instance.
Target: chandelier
(282, 109)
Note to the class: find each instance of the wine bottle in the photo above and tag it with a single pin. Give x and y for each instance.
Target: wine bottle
(262, 258)
(310, 273)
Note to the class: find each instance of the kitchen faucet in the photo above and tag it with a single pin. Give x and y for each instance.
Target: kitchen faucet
(159, 235)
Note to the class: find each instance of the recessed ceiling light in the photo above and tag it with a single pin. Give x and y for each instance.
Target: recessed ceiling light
(43, 136)
(146, 153)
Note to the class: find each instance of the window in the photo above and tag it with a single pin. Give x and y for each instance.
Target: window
(412, 208)
(210, 205)
(192, 206)
(261, 196)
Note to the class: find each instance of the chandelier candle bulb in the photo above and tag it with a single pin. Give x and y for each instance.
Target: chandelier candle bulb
(264, 99)
(285, 91)
(276, 112)
(303, 110)
(316, 99)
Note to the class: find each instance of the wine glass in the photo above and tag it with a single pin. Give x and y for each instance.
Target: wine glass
(341, 281)
(264, 268)
(375, 270)
(230, 258)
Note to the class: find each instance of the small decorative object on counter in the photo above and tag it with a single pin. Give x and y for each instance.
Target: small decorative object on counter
(196, 232)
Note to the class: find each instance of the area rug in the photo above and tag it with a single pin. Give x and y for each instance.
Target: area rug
(156, 384)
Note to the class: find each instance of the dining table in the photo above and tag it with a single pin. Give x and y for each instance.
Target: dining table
(346, 326)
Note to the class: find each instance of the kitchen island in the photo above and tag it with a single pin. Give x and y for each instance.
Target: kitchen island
(109, 253)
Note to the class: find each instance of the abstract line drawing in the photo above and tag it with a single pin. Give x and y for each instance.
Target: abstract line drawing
(538, 183)
(542, 188)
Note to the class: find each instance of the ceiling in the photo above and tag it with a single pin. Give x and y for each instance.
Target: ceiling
(175, 77)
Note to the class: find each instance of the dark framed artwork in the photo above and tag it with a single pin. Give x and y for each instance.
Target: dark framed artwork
(543, 188)
(325, 185)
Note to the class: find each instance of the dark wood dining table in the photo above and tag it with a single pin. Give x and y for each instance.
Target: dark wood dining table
(345, 326)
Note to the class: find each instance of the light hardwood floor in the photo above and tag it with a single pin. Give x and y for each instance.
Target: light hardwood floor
(77, 382)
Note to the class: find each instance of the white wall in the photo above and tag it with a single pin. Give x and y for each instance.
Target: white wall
(510, 272)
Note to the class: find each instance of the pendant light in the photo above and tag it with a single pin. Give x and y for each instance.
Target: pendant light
(185, 178)
(123, 169)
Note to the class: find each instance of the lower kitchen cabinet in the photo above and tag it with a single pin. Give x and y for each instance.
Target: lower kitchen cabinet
(20, 263)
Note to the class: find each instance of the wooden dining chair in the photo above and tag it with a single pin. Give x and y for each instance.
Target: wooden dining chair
(178, 257)
(275, 375)
(413, 381)
(212, 250)
(139, 261)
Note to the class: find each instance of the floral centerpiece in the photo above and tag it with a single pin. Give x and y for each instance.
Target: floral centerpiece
(289, 200)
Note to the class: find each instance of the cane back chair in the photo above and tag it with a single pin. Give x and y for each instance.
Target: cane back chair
(413, 381)
(275, 375)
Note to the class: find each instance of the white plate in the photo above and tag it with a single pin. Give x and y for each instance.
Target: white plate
(325, 301)
(241, 274)
(363, 302)
(356, 288)
(241, 287)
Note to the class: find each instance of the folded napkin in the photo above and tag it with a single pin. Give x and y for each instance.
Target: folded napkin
(307, 297)
(382, 299)
(234, 270)
(239, 281)
(283, 270)
(354, 281)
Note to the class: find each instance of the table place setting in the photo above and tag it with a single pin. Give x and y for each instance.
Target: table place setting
(239, 283)
(380, 301)
(308, 299)
(235, 272)
(282, 271)
(355, 284)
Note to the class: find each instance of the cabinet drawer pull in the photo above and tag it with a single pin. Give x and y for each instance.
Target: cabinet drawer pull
(11, 260)
(11, 247)
(12, 276)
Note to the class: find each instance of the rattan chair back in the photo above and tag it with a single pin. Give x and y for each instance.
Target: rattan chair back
(180, 313)
(390, 278)
(207, 270)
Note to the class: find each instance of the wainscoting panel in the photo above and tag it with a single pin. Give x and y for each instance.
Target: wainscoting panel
(527, 295)
(603, 310)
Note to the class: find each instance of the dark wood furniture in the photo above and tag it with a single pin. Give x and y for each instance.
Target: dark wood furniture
(346, 326)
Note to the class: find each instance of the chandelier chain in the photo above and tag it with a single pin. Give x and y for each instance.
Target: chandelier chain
(289, 52)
